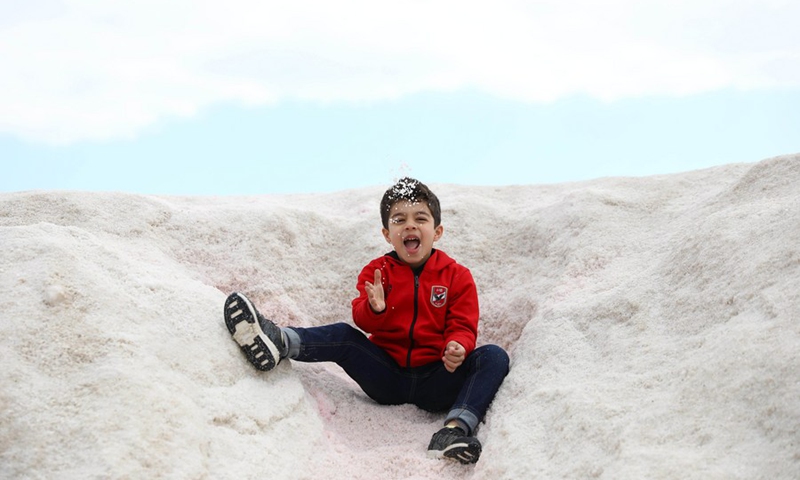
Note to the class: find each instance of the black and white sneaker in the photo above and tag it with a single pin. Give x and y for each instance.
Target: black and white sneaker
(454, 443)
(260, 339)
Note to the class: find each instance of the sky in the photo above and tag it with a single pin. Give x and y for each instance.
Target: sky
(183, 97)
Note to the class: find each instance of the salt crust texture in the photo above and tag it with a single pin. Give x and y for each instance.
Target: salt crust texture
(653, 325)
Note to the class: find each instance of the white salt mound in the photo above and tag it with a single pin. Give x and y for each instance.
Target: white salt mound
(652, 325)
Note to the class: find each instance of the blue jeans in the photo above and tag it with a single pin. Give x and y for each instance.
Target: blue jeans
(466, 393)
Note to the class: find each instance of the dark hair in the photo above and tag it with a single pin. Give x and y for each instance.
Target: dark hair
(410, 190)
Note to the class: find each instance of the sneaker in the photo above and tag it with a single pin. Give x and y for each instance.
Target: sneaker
(260, 339)
(454, 443)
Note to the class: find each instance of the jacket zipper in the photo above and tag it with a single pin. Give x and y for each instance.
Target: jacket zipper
(413, 320)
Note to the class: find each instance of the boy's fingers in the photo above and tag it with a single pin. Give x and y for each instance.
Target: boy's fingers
(447, 364)
(455, 348)
(450, 365)
(377, 276)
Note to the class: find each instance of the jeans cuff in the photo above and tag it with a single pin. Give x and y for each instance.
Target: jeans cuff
(293, 339)
(465, 416)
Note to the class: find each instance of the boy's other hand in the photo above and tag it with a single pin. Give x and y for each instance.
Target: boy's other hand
(375, 293)
(453, 356)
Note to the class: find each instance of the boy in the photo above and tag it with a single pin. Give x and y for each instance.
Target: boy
(421, 310)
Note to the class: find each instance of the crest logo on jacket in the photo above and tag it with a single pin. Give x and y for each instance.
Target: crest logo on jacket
(438, 296)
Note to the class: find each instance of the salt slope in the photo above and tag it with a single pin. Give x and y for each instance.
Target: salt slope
(652, 325)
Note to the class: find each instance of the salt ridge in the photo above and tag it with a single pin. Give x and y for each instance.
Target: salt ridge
(652, 325)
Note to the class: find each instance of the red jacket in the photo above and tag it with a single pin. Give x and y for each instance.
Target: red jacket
(424, 310)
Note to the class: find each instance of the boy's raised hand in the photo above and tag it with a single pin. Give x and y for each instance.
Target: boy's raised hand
(453, 356)
(375, 293)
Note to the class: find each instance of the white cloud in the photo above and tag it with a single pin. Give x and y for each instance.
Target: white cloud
(79, 70)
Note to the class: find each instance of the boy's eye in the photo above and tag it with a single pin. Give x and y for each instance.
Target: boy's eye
(397, 220)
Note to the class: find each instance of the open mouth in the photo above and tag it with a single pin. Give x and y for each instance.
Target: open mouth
(411, 243)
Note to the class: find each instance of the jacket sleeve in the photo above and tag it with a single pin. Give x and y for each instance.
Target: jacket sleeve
(363, 315)
(461, 324)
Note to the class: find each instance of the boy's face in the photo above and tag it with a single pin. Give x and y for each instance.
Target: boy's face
(411, 231)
